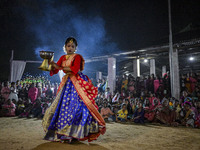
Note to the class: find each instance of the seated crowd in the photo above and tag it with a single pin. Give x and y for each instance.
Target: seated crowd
(148, 100)
(29, 97)
(137, 100)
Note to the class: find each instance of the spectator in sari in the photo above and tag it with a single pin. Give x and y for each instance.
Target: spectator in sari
(5, 91)
(151, 98)
(165, 114)
(131, 84)
(156, 83)
(150, 114)
(32, 93)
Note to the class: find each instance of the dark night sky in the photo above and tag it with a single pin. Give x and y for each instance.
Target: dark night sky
(100, 26)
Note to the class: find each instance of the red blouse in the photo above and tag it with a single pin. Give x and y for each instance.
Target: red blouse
(75, 67)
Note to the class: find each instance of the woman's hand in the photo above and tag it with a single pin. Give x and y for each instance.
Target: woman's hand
(67, 69)
(51, 62)
(54, 65)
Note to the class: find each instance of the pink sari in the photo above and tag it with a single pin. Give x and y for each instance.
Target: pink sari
(150, 113)
(5, 92)
(32, 94)
(156, 85)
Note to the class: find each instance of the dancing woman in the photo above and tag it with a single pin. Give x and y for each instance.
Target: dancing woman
(74, 113)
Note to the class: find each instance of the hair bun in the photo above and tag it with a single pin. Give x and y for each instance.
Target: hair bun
(71, 39)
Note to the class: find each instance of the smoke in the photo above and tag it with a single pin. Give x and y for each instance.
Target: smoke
(52, 24)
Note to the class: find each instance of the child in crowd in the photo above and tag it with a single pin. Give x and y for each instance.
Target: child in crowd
(20, 107)
(146, 104)
(129, 108)
(27, 110)
(187, 115)
(122, 114)
(133, 106)
(177, 109)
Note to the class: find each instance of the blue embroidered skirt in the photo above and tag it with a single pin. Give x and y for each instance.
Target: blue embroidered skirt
(72, 117)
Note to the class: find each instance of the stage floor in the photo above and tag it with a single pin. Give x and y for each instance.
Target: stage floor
(27, 134)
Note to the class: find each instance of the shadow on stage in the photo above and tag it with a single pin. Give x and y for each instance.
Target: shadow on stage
(74, 146)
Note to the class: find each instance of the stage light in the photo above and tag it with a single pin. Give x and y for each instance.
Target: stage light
(191, 58)
(145, 60)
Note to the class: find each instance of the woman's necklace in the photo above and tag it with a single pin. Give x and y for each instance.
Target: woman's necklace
(67, 57)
